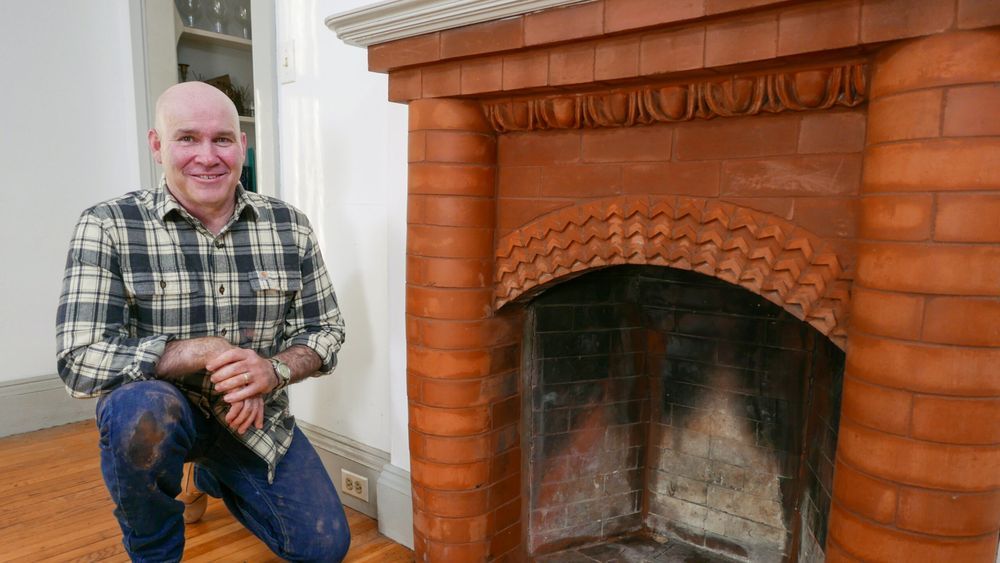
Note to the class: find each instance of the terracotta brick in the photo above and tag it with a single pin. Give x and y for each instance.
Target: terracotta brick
(836, 554)
(453, 304)
(939, 60)
(818, 27)
(487, 37)
(450, 449)
(882, 313)
(964, 321)
(508, 514)
(525, 70)
(778, 206)
(405, 85)
(935, 165)
(877, 407)
(956, 420)
(878, 544)
(482, 75)
(451, 179)
(404, 52)
(873, 498)
(442, 80)
(924, 368)
(620, 15)
(515, 213)
(826, 132)
(901, 117)
(450, 393)
(700, 179)
(449, 272)
(977, 13)
(436, 551)
(919, 463)
(835, 217)
(506, 412)
(723, 6)
(817, 175)
(525, 149)
(972, 110)
(459, 211)
(460, 335)
(448, 114)
(517, 181)
(460, 147)
(504, 544)
(416, 142)
(672, 51)
(617, 58)
(627, 144)
(447, 364)
(581, 180)
(562, 24)
(449, 242)
(449, 422)
(967, 218)
(573, 64)
(896, 217)
(750, 38)
(948, 514)
(885, 20)
(452, 530)
(922, 268)
(736, 138)
(456, 504)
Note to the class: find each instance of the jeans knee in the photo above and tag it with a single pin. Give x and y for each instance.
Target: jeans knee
(136, 420)
(329, 542)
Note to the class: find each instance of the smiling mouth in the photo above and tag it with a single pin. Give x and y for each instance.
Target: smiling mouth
(208, 176)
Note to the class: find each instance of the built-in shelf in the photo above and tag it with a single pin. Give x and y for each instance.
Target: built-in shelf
(203, 36)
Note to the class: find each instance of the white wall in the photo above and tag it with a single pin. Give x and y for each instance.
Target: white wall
(343, 161)
(67, 141)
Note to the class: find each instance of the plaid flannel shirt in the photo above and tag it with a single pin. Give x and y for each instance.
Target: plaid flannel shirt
(142, 271)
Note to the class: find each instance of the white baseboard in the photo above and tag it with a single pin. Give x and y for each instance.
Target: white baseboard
(395, 507)
(340, 452)
(33, 403)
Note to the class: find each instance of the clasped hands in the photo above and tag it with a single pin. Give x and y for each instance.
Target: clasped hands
(244, 378)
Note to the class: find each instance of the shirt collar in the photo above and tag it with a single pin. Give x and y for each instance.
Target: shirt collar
(164, 202)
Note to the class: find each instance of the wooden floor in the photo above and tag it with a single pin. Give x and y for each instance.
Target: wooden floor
(54, 507)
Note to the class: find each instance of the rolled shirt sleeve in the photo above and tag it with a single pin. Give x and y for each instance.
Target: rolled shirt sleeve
(314, 319)
(95, 352)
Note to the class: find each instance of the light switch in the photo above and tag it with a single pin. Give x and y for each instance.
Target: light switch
(286, 62)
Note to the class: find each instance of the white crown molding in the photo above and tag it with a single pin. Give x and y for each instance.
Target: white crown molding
(398, 19)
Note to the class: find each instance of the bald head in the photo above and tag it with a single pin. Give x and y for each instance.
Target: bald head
(188, 97)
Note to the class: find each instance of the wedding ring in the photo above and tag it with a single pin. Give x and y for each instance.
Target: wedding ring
(246, 379)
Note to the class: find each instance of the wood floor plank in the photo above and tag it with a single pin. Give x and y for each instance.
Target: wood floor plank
(54, 508)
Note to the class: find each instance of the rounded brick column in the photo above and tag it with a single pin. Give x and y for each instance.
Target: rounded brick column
(918, 462)
(461, 360)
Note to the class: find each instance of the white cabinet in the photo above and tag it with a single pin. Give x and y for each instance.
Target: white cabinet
(161, 42)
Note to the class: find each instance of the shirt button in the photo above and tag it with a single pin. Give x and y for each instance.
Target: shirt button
(222, 289)
(222, 332)
(163, 284)
(219, 244)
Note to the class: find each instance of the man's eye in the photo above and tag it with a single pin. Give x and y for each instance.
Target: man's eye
(224, 140)
(186, 139)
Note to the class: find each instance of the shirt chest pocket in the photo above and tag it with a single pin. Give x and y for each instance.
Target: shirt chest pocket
(161, 302)
(269, 296)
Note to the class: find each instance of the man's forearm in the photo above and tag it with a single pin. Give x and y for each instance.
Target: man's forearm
(184, 357)
(302, 360)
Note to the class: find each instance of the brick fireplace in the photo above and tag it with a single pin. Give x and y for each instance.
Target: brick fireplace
(836, 161)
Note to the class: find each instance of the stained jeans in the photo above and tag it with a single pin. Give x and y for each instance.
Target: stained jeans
(149, 429)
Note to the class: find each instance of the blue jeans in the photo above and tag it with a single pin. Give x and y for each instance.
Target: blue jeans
(149, 429)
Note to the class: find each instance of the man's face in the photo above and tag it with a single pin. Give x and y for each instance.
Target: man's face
(202, 150)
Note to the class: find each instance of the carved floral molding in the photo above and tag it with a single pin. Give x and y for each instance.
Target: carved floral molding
(763, 253)
(841, 85)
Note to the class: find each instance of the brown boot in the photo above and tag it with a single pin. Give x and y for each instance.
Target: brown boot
(195, 501)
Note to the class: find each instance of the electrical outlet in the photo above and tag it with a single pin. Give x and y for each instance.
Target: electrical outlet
(286, 62)
(354, 484)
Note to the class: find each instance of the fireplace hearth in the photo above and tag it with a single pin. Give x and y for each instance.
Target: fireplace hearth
(830, 166)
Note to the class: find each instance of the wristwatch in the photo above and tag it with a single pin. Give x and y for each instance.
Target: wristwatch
(283, 372)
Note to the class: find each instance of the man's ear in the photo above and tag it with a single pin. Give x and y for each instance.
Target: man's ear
(154, 145)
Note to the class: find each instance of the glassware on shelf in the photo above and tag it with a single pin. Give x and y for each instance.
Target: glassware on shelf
(217, 11)
(242, 17)
(190, 11)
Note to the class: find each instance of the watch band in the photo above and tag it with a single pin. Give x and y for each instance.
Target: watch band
(282, 372)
